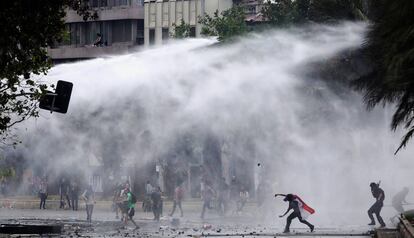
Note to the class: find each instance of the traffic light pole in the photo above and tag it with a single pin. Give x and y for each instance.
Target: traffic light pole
(53, 101)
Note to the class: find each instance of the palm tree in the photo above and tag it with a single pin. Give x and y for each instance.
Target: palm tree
(390, 44)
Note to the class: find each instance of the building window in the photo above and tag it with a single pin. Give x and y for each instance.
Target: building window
(98, 3)
(193, 31)
(140, 32)
(115, 3)
(165, 34)
(152, 36)
(121, 31)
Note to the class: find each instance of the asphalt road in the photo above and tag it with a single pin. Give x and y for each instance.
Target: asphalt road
(106, 225)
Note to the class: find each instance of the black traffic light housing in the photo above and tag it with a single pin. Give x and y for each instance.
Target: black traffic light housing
(59, 100)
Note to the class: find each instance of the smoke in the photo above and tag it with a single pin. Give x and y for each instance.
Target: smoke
(253, 100)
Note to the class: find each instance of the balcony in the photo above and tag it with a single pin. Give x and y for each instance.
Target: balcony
(110, 13)
(88, 52)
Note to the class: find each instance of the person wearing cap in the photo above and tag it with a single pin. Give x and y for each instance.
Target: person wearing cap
(379, 196)
(295, 206)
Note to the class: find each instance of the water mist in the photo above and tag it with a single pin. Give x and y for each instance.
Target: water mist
(253, 96)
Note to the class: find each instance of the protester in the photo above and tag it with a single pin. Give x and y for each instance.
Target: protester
(64, 188)
(156, 203)
(146, 205)
(74, 195)
(300, 211)
(244, 197)
(123, 201)
(116, 204)
(379, 196)
(208, 195)
(89, 198)
(131, 200)
(398, 201)
(43, 194)
(234, 193)
(222, 197)
(178, 197)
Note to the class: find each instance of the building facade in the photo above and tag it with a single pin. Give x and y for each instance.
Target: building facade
(120, 24)
(253, 9)
(162, 15)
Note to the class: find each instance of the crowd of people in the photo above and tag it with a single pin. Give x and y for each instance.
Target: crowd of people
(221, 198)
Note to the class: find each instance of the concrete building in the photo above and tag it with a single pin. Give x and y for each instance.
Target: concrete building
(161, 15)
(120, 23)
(253, 10)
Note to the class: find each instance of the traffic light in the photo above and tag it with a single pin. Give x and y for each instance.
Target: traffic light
(59, 100)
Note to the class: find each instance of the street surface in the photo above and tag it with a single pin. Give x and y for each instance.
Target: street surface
(106, 225)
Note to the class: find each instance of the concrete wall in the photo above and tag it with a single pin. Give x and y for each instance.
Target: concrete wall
(163, 14)
(68, 52)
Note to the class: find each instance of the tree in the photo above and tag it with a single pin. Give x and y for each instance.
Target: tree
(27, 28)
(336, 10)
(181, 31)
(226, 26)
(287, 12)
(280, 12)
(390, 45)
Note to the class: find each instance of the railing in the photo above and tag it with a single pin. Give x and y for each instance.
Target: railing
(406, 228)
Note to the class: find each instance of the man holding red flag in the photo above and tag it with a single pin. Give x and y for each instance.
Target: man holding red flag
(300, 211)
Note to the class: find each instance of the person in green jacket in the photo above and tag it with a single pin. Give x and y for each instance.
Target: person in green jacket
(131, 209)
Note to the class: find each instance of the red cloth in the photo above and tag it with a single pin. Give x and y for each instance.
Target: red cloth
(304, 205)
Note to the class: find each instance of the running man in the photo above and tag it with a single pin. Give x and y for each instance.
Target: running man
(299, 211)
(379, 196)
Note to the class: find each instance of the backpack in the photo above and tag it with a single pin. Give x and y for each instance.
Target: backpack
(133, 198)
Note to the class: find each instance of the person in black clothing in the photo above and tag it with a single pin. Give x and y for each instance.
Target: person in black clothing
(64, 193)
(74, 195)
(293, 205)
(156, 203)
(379, 196)
(98, 41)
(222, 197)
(43, 194)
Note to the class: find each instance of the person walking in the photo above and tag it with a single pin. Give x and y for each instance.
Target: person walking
(222, 197)
(299, 209)
(178, 197)
(74, 195)
(156, 203)
(398, 201)
(244, 197)
(43, 194)
(208, 195)
(131, 199)
(89, 198)
(116, 204)
(146, 205)
(379, 196)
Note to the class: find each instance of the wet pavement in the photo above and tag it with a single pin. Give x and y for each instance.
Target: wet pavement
(106, 225)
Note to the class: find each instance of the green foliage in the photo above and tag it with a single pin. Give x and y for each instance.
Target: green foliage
(6, 173)
(226, 26)
(280, 12)
(27, 27)
(336, 10)
(287, 12)
(390, 44)
(181, 31)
